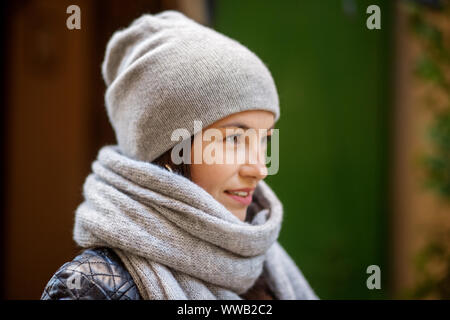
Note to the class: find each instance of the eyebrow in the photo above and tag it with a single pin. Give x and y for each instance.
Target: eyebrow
(240, 125)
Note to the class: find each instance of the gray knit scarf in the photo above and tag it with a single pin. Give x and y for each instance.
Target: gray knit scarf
(176, 240)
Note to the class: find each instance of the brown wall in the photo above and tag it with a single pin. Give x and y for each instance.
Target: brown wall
(54, 124)
(418, 213)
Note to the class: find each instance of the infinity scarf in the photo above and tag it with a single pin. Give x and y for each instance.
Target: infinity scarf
(176, 240)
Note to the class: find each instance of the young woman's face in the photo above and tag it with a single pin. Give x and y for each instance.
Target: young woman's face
(220, 179)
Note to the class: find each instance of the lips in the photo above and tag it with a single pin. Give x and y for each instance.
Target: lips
(243, 195)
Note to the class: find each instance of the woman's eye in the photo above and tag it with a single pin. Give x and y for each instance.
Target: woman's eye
(233, 138)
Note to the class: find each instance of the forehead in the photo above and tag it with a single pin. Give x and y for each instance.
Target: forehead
(257, 119)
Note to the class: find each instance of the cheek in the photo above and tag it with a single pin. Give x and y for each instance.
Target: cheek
(213, 178)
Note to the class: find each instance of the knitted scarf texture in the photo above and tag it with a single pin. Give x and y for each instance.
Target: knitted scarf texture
(176, 240)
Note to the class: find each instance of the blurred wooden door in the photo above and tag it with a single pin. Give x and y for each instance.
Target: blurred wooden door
(54, 123)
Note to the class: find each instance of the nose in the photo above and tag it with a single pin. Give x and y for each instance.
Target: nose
(256, 171)
(255, 166)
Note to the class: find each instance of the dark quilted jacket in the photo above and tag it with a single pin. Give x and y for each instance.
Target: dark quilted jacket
(95, 274)
(99, 274)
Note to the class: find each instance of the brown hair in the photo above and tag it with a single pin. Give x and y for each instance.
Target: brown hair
(182, 169)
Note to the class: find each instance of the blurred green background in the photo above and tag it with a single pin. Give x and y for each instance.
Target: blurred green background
(332, 75)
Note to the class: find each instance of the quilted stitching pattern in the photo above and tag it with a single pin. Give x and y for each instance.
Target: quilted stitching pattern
(100, 275)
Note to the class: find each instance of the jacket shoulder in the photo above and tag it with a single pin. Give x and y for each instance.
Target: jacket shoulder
(94, 274)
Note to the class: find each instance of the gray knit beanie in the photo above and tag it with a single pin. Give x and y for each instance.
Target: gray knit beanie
(165, 70)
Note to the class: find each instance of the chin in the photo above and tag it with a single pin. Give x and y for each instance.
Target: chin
(240, 215)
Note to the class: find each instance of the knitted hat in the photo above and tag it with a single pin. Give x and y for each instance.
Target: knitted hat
(165, 70)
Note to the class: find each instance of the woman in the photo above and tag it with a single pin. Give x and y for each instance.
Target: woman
(154, 228)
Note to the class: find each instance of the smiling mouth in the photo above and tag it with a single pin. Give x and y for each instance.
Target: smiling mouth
(242, 197)
(238, 193)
